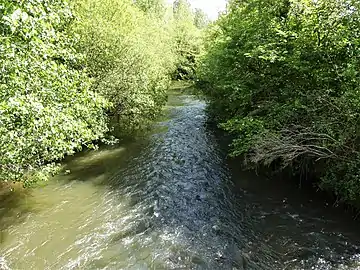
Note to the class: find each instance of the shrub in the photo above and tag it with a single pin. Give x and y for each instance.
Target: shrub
(290, 67)
(130, 55)
(47, 109)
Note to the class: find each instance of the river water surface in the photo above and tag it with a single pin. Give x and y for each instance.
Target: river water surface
(171, 200)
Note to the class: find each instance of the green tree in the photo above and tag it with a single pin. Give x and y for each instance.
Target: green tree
(130, 55)
(187, 39)
(70, 72)
(281, 76)
(47, 109)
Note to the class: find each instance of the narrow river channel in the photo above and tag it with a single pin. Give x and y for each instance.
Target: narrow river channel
(172, 200)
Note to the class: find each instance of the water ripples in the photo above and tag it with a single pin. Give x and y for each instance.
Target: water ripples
(170, 202)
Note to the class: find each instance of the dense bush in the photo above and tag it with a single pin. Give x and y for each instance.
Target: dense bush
(67, 71)
(283, 77)
(46, 106)
(130, 55)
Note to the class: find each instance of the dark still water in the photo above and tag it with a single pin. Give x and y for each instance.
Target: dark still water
(171, 201)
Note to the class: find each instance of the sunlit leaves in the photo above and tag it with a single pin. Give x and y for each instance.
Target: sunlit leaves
(68, 70)
(130, 54)
(47, 109)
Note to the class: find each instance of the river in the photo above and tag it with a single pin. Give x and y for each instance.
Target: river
(172, 200)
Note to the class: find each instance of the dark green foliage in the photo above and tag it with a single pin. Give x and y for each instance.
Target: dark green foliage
(283, 77)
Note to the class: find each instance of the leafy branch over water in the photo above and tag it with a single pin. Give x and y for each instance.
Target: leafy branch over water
(72, 72)
(282, 77)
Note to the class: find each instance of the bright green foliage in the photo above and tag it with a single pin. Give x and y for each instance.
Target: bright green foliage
(283, 77)
(46, 107)
(129, 54)
(64, 77)
(188, 38)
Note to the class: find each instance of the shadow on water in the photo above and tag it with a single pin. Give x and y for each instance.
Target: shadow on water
(97, 167)
(14, 207)
(305, 230)
(100, 165)
(171, 201)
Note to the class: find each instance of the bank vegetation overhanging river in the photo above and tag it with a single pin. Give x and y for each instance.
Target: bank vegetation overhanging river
(171, 200)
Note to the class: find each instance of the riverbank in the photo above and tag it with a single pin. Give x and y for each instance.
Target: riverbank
(288, 95)
(169, 200)
(278, 176)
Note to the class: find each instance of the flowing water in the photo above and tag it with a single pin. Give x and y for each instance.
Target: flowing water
(171, 200)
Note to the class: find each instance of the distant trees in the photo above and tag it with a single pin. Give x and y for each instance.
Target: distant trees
(151, 6)
(130, 55)
(188, 37)
(201, 20)
(282, 77)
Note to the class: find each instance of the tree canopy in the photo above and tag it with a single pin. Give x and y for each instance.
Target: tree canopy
(282, 77)
(74, 73)
(47, 107)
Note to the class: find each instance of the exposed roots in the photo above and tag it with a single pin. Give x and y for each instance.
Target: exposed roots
(290, 145)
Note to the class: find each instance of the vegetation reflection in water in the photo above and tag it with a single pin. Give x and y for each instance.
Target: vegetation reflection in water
(167, 201)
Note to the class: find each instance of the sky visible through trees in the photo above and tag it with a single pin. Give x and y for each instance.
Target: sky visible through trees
(211, 8)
